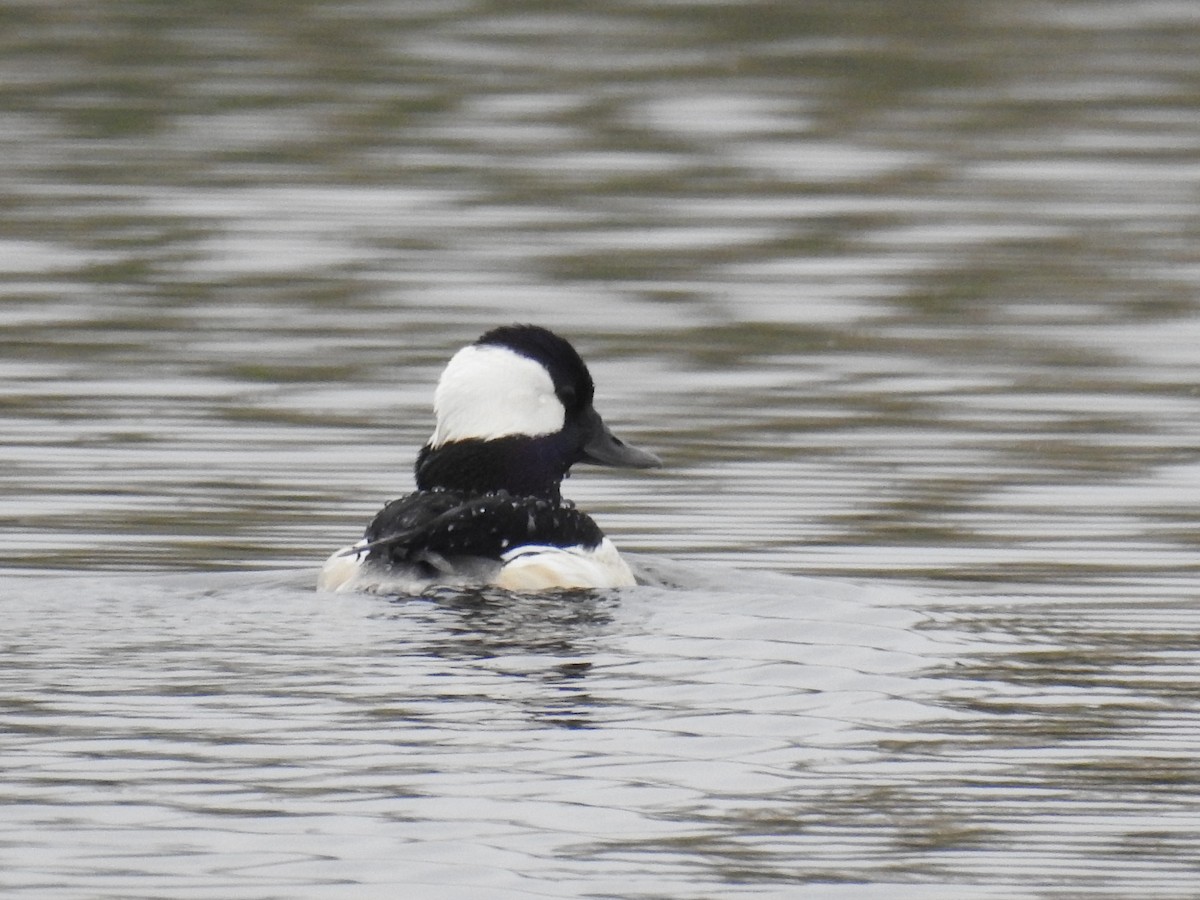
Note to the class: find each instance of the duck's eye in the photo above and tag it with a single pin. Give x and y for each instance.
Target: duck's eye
(568, 397)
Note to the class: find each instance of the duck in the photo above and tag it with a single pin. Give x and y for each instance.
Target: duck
(513, 413)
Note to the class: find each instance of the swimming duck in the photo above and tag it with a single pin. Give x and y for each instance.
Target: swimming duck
(513, 413)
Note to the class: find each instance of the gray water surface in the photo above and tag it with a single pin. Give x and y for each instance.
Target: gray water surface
(904, 294)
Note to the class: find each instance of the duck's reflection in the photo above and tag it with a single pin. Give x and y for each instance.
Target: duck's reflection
(547, 641)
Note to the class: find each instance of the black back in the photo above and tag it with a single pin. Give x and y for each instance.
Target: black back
(433, 526)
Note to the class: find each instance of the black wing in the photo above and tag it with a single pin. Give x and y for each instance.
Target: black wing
(434, 525)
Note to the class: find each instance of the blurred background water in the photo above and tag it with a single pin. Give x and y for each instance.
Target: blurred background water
(904, 294)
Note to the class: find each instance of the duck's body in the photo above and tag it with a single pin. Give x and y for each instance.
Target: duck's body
(514, 413)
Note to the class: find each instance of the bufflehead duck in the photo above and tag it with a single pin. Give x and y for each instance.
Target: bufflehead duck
(513, 414)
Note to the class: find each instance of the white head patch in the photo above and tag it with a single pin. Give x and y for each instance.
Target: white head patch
(488, 391)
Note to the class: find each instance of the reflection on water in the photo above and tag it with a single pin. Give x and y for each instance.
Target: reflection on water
(905, 292)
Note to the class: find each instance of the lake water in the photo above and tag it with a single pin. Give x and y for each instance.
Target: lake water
(906, 297)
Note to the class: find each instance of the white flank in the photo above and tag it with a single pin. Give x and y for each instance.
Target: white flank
(529, 568)
(489, 392)
(537, 568)
(340, 572)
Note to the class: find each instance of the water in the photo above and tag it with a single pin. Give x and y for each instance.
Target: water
(905, 297)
